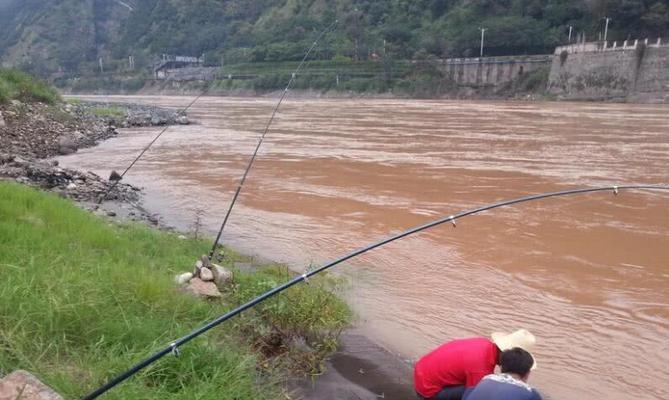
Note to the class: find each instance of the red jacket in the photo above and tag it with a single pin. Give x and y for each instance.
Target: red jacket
(459, 362)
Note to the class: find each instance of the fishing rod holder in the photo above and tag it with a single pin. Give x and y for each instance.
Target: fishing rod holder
(175, 349)
(615, 190)
(452, 219)
(305, 277)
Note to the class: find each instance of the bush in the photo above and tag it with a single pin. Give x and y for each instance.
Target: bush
(17, 85)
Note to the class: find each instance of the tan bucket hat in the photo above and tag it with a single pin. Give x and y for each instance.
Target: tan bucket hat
(521, 338)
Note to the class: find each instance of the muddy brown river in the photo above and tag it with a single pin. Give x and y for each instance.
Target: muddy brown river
(588, 275)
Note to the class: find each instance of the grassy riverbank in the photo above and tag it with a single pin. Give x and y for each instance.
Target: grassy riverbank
(16, 85)
(82, 298)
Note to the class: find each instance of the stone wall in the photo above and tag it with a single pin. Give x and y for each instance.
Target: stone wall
(628, 71)
(492, 71)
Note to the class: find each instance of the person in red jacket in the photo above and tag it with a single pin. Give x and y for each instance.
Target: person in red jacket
(456, 366)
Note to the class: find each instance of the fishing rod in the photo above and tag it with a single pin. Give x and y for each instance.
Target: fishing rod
(115, 178)
(174, 346)
(262, 137)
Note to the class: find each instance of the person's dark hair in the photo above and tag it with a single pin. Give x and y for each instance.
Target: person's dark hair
(516, 361)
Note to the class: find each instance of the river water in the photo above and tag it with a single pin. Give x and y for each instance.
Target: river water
(588, 275)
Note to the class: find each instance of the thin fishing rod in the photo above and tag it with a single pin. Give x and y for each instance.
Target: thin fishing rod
(116, 181)
(262, 137)
(174, 346)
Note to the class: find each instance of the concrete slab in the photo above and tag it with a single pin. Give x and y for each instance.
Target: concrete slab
(21, 385)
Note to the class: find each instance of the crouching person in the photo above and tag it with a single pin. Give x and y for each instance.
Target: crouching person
(511, 384)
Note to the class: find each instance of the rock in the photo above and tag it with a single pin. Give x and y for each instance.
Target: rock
(114, 176)
(206, 275)
(222, 276)
(198, 267)
(184, 278)
(182, 237)
(2, 121)
(71, 186)
(54, 163)
(205, 261)
(23, 385)
(200, 288)
(158, 120)
(6, 158)
(66, 145)
(183, 120)
(111, 214)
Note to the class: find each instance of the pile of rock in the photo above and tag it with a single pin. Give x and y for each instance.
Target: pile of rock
(206, 280)
(38, 130)
(130, 114)
(77, 185)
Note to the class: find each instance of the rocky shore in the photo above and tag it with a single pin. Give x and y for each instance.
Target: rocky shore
(31, 133)
(126, 115)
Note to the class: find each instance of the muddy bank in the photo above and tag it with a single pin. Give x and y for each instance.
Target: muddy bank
(360, 370)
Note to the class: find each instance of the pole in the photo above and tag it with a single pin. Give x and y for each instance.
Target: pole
(173, 347)
(606, 28)
(571, 28)
(482, 38)
(262, 137)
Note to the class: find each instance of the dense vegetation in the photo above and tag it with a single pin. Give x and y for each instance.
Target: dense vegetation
(50, 35)
(82, 299)
(16, 85)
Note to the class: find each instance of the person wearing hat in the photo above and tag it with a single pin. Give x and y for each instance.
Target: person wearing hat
(450, 369)
(511, 384)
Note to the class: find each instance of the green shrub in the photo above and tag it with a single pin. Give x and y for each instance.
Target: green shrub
(17, 85)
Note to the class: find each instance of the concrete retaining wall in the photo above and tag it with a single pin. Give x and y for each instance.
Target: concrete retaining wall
(492, 71)
(634, 70)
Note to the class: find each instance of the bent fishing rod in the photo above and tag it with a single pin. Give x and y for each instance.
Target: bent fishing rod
(117, 178)
(174, 346)
(262, 137)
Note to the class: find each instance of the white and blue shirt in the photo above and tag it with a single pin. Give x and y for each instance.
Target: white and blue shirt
(502, 387)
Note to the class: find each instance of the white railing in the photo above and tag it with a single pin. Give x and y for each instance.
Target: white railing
(591, 47)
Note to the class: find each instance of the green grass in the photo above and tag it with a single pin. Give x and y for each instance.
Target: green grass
(17, 85)
(82, 299)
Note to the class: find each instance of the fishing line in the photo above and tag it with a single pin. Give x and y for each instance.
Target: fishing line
(118, 179)
(174, 346)
(262, 137)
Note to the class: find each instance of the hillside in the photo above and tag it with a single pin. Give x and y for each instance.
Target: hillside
(47, 36)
